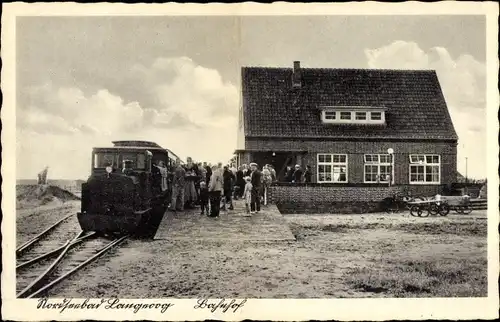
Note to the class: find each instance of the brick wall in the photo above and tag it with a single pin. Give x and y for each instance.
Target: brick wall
(318, 193)
(356, 150)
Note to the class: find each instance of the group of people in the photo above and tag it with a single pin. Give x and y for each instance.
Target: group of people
(214, 187)
(296, 175)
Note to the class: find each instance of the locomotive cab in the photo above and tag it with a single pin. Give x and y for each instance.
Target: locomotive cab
(120, 195)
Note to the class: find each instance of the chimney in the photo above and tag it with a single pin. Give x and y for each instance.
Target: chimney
(297, 75)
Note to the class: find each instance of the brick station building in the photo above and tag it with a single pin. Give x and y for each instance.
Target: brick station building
(358, 129)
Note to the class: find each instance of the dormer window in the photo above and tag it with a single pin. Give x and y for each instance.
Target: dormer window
(345, 115)
(330, 115)
(352, 115)
(360, 116)
(375, 116)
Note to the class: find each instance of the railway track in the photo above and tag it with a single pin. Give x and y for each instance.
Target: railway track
(43, 262)
(63, 229)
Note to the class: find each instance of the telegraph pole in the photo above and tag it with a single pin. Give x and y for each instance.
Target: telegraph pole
(466, 178)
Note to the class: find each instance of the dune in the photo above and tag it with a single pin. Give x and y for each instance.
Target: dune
(29, 196)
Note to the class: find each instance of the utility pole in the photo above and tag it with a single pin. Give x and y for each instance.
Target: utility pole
(466, 178)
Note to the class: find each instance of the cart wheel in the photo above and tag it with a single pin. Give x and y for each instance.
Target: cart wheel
(423, 213)
(444, 210)
(466, 210)
(433, 209)
(392, 208)
(414, 211)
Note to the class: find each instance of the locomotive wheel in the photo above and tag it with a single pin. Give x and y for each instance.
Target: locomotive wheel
(444, 210)
(423, 213)
(414, 211)
(458, 210)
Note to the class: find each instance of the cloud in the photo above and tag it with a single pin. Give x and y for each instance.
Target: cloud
(463, 81)
(181, 105)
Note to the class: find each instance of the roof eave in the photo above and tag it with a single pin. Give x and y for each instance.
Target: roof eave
(350, 138)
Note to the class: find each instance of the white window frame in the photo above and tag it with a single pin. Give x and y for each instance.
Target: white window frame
(361, 113)
(333, 164)
(414, 162)
(344, 119)
(378, 164)
(352, 120)
(327, 118)
(382, 116)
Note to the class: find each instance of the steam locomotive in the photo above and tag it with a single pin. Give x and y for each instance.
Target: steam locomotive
(124, 194)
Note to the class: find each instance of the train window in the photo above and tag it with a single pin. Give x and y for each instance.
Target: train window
(138, 160)
(102, 160)
(141, 161)
(129, 156)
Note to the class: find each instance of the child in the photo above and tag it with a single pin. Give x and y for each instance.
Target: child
(203, 197)
(247, 194)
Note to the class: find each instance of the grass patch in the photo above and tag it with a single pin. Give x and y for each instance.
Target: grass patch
(460, 278)
(469, 228)
(330, 207)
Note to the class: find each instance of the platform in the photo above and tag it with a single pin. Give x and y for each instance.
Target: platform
(268, 225)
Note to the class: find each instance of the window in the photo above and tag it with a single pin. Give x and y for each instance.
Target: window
(332, 168)
(425, 169)
(102, 160)
(360, 115)
(356, 115)
(376, 116)
(330, 115)
(138, 160)
(345, 115)
(378, 167)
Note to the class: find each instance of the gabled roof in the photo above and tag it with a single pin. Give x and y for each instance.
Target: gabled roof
(416, 108)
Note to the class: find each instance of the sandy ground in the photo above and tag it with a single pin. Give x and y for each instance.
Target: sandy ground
(32, 221)
(334, 256)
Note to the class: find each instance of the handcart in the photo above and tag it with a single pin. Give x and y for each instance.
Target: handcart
(460, 204)
(424, 208)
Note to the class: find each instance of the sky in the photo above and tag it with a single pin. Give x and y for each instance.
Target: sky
(83, 82)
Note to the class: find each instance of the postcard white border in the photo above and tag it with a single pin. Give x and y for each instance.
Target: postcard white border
(339, 309)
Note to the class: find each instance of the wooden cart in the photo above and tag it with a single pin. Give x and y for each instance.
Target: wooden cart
(442, 206)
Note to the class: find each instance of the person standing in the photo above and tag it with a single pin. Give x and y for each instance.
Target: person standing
(215, 188)
(289, 174)
(191, 178)
(164, 175)
(161, 171)
(240, 184)
(178, 184)
(204, 198)
(307, 174)
(273, 172)
(297, 174)
(266, 181)
(228, 188)
(247, 194)
(208, 174)
(256, 178)
(246, 171)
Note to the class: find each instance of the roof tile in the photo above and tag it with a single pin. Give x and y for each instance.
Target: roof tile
(416, 108)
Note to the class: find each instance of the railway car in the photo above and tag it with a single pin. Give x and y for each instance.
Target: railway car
(123, 194)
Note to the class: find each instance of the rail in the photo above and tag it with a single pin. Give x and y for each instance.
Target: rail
(29, 243)
(41, 283)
